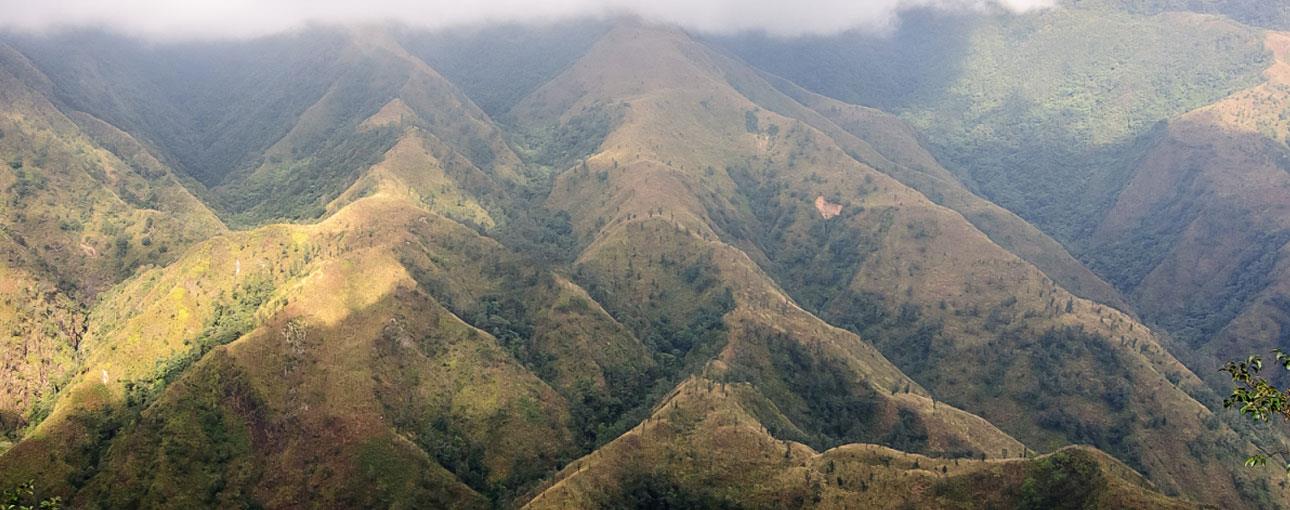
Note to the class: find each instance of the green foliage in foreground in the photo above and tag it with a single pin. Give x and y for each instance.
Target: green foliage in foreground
(1257, 398)
(24, 497)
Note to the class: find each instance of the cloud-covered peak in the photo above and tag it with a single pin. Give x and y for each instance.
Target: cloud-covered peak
(188, 19)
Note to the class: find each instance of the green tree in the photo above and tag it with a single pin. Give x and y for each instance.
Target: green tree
(1258, 398)
(24, 497)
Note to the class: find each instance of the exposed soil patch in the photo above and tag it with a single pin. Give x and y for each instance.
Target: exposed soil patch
(827, 209)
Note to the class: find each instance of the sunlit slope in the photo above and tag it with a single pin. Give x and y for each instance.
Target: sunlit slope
(41, 329)
(293, 359)
(85, 201)
(1135, 147)
(704, 447)
(81, 207)
(1154, 154)
(387, 355)
(423, 391)
(689, 160)
(453, 186)
(886, 143)
(723, 269)
(1112, 144)
(653, 259)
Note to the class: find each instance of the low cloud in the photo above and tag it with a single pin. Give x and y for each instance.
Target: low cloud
(186, 19)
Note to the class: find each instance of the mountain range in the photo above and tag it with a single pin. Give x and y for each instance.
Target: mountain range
(615, 264)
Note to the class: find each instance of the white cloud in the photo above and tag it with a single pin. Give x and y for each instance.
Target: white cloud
(243, 18)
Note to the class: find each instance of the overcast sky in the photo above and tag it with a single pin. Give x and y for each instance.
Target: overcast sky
(244, 18)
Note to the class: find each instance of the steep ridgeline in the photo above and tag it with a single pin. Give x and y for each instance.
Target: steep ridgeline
(272, 128)
(1201, 233)
(1034, 112)
(388, 355)
(889, 145)
(391, 355)
(364, 113)
(82, 206)
(696, 161)
(707, 431)
(654, 257)
(725, 295)
(1154, 150)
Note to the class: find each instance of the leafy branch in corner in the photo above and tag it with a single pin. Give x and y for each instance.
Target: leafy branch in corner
(23, 497)
(1257, 398)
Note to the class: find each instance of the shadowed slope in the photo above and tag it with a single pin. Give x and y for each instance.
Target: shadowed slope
(395, 353)
(653, 258)
(363, 113)
(693, 165)
(1043, 114)
(276, 127)
(1206, 216)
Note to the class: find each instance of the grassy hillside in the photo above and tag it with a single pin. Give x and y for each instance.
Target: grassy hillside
(42, 329)
(84, 200)
(1154, 154)
(1273, 15)
(1031, 111)
(390, 355)
(273, 128)
(207, 109)
(861, 250)
(889, 145)
(673, 280)
(703, 447)
(360, 116)
(279, 337)
(82, 206)
(1206, 216)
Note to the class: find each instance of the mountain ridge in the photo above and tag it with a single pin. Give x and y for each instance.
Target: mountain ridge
(440, 325)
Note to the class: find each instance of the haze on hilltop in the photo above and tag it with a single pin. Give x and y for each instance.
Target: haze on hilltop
(201, 19)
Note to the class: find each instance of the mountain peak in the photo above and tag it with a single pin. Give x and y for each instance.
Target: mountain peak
(660, 275)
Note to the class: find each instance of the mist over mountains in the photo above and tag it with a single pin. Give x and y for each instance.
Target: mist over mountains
(863, 255)
(242, 19)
